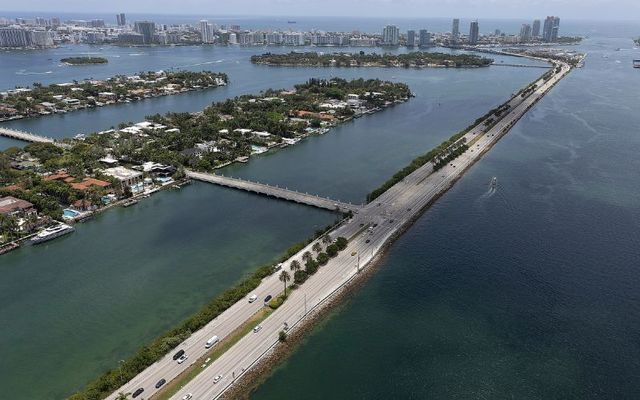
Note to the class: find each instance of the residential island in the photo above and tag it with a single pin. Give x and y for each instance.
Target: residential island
(56, 98)
(416, 59)
(84, 60)
(47, 181)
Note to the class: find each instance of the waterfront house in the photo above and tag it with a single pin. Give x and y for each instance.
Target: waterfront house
(14, 207)
(127, 178)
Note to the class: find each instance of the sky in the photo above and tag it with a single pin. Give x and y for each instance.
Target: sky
(572, 9)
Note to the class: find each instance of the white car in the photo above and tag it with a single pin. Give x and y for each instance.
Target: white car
(187, 396)
(217, 378)
(182, 358)
(257, 329)
(253, 298)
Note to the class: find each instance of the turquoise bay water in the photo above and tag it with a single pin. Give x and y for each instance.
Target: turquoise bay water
(527, 293)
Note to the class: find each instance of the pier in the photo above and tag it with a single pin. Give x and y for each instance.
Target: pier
(28, 137)
(275, 191)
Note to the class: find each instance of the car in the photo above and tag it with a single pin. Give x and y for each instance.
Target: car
(391, 221)
(266, 299)
(212, 342)
(257, 329)
(253, 298)
(367, 241)
(217, 378)
(354, 253)
(160, 383)
(137, 393)
(187, 396)
(178, 355)
(182, 359)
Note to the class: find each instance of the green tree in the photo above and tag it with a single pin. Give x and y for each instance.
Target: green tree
(317, 247)
(306, 256)
(295, 266)
(285, 277)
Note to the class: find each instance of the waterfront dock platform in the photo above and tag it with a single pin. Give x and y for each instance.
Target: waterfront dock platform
(275, 191)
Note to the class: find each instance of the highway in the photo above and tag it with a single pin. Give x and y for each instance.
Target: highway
(371, 228)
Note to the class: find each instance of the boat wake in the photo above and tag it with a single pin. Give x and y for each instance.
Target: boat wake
(25, 72)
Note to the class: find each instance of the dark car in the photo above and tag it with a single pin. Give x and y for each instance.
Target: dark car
(160, 383)
(178, 354)
(137, 393)
(266, 299)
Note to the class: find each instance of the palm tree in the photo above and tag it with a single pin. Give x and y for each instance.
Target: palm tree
(326, 239)
(306, 256)
(285, 277)
(122, 396)
(317, 247)
(295, 266)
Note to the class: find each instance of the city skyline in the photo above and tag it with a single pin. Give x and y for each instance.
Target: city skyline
(594, 9)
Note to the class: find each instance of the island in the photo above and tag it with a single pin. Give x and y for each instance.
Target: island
(84, 60)
(416, 59)
(74, 179)
(38, 100)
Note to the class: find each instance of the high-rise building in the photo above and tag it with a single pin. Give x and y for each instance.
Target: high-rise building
(455, 29)
(14, 37)
(96, 23)
(121, 19)
(525, 33)
(147, 29)
(424, 38)
(474, 32)
(390, 35)
(535, 31)
(42, 38)
(55, 21)
(411, 38)
(550, 29)
(206, 31)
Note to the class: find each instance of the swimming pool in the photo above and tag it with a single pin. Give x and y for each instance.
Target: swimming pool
(69, 213)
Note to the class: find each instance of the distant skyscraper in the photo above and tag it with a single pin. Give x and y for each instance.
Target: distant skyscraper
(550, 29)
(535, 31)
(147, 29)
(411, 38)
(474, 32)
(14, 37)
(424, 38)
(525, 33)
(206, 31)
(390, 35)
(455, 29)
(121, 19)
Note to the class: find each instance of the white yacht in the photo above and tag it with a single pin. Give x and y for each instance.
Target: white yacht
(52, 233)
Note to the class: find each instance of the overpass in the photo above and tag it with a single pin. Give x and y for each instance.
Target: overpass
(28, 137)
(275, 191)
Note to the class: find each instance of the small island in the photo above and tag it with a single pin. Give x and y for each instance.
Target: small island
(39, 100)
(84, 60)
(417, 59)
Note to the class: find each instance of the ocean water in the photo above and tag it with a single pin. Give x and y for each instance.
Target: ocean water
(526, 292)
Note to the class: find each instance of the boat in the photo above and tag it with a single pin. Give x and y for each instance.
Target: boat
(636, 63)
(52, 233)
(494, 182)
(129, 203)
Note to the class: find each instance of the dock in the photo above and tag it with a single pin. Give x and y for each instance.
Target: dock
(275, 191)
(28, 137)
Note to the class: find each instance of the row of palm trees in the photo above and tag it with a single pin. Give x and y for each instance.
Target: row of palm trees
(295, 265)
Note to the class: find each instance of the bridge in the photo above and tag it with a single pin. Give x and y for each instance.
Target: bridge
(495, 64)
(275, 191)
(28, 137)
